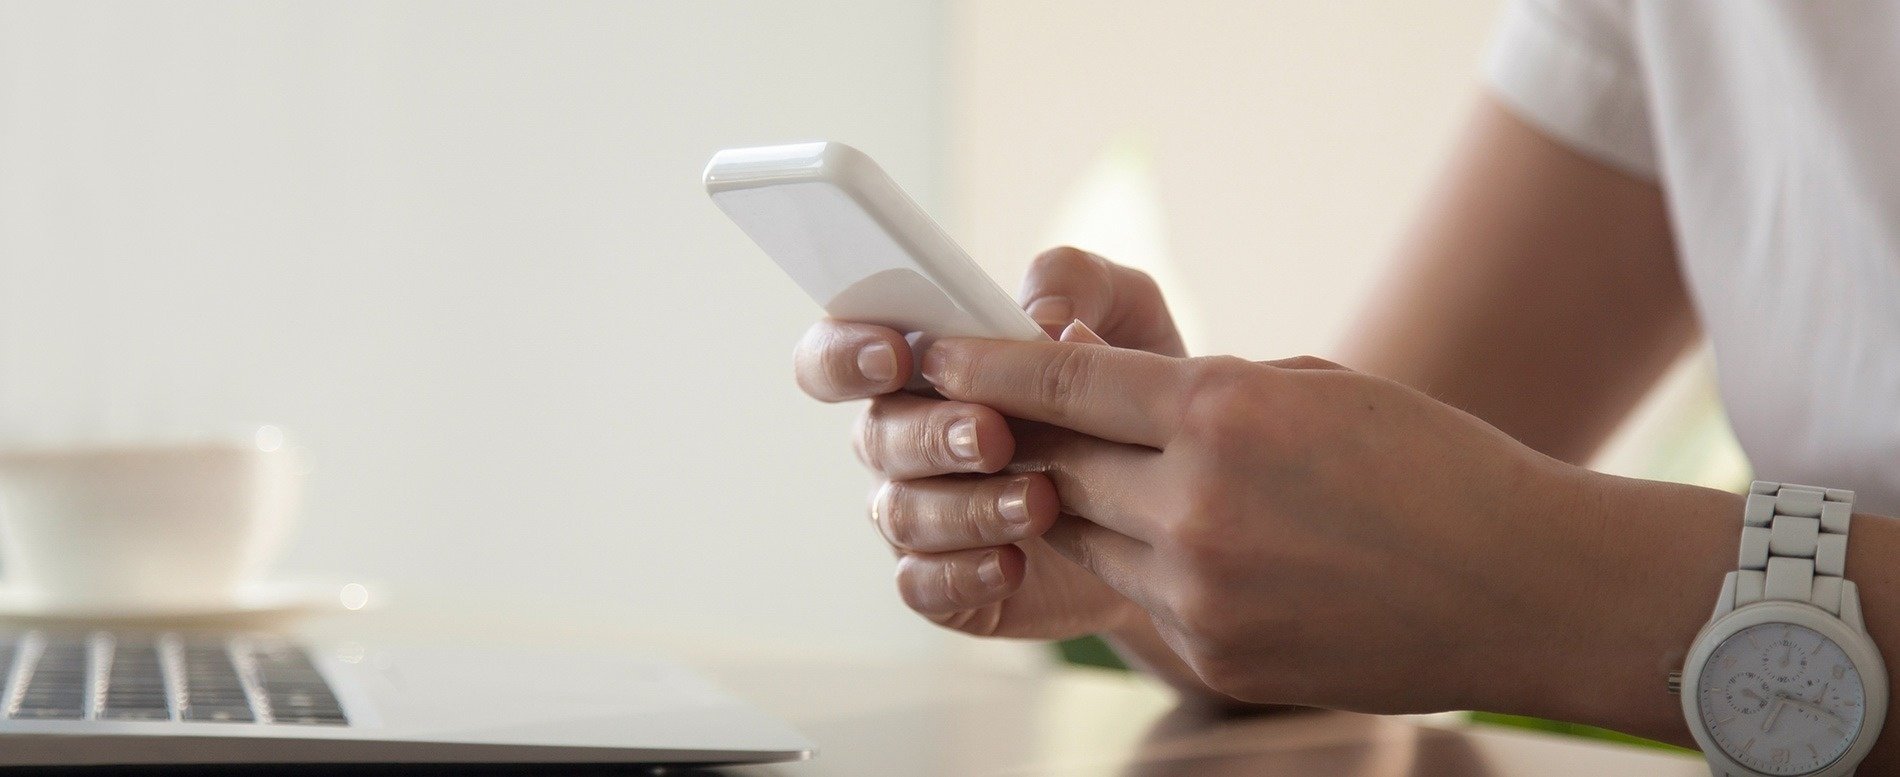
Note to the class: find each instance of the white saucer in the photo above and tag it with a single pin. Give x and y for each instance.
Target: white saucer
(263, 598)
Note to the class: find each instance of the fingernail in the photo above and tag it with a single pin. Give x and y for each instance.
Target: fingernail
(1078, 332)
(963, 440)
(877, 362)
(1014, 504)
(991, 570)
(1052, 311)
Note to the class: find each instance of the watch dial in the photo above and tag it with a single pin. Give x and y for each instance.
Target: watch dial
(1781, 699)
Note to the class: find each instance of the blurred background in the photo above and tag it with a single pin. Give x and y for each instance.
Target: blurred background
(460, 252)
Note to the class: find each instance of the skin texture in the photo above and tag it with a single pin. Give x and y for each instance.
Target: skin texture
(1411, 537)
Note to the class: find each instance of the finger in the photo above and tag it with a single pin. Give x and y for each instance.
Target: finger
(837, 361)
(1078, 332)
(1306, 363)
(1108, 483)
(938, 515)
(1112, 393)
(943, 583)
(1121, 561)
(1123, 303)
(905, 436)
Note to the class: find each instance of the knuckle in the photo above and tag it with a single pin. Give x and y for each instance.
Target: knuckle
(826, 363)
(937, 585)
(921, 585)
(938, 520)
(878, 505)
(954, 591)
(1089, 557)
(899, 521)
(1204, 541)
(932, 436)
(1216, 386)
(1217, 379)
(950, 585)
(868, 442)
(1063, 381)
(1064, 540)
(808, 362)
(839, 368)
(950, 369)
(1227, 409)
(974, 518)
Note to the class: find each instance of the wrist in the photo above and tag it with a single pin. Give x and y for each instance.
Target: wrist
(1641, 566)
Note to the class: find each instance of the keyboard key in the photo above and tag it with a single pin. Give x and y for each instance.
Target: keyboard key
(50, 713)
(335, 719)
(119, 698)
(212, 688)
(225, 714)
(56, 684)
(136, 713)
(141, 686)
(297, 692)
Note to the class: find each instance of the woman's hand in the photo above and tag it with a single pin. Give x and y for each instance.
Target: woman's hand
(1298, 532)
(967, 532)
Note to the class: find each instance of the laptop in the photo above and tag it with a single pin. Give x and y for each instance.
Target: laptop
(123, 696)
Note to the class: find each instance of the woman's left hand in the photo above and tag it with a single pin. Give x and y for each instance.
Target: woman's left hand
(1298, 532)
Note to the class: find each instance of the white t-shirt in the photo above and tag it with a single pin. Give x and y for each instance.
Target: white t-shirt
(1774, 130)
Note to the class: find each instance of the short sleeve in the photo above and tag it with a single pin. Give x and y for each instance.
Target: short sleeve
(1570, 68)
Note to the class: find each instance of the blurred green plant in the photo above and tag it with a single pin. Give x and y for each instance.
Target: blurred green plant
(1572, 729)
(1089, 651)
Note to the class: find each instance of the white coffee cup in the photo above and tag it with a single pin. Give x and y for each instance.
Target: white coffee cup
(133, 528)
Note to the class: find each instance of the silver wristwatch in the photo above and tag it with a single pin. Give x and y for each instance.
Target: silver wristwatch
(1784, 679)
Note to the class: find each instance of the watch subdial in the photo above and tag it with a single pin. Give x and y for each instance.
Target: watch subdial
(1784, 662)
(1747, 693)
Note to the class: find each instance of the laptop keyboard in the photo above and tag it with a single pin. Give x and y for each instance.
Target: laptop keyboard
(218, 678)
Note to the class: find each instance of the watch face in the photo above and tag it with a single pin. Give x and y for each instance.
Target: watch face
(1781, 699)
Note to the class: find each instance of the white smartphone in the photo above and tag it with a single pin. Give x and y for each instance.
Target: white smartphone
(859, 245)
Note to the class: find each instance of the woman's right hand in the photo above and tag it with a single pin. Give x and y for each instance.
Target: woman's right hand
(967, 496)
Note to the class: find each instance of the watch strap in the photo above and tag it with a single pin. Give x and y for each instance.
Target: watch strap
(1794, 545)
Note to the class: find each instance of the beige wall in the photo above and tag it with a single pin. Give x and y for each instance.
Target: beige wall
(460, 250)
(1290, 141)
(1287, 146)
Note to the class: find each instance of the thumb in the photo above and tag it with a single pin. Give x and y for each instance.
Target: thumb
(1123, 304)
(1068, 284)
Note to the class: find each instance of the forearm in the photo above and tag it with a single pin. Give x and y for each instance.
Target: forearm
(1538, 292)
(1870, 565)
